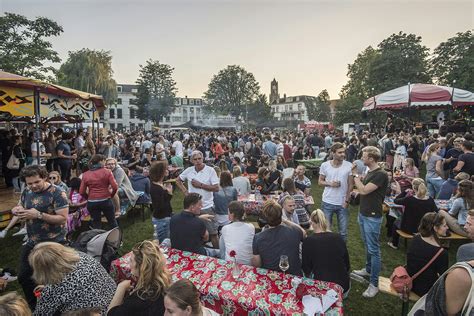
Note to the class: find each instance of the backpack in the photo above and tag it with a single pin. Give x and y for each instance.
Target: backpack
(402, 282)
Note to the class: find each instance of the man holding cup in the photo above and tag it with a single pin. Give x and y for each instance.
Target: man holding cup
(334, 175)
(45, 208)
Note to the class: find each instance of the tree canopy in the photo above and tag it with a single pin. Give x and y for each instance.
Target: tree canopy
(231, 90)
(156, 91)
(318, 108)
(454, 60)
(24, 48)
(90, 71)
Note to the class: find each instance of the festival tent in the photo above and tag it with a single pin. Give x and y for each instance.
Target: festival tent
(420, 95)
(17, 97)
(26, 97)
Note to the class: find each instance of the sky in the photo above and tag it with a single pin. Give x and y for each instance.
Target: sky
(305, 45)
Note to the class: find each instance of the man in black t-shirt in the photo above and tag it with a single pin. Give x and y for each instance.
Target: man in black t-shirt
(187, 229)
(277, 240)
(466, 160)
(372, 193)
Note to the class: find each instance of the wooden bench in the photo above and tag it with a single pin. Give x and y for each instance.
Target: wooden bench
(385, 287)
(407, 236)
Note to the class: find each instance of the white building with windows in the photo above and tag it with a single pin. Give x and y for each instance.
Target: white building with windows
(288, 108)
(122, 116)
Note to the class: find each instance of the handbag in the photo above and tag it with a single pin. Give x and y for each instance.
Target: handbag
(402, 282)
(13, 162)
(419, 307)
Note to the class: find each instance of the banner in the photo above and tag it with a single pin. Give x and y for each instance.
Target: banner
(19, 102)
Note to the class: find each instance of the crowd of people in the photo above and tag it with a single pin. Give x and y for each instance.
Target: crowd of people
(67, 177)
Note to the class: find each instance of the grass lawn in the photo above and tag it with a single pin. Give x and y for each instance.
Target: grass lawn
(382, 304)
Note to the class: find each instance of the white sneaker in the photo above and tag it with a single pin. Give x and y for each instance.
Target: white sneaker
(361, 272)
(391, 245)
(20, 232)
(3, 233)
(8, 277)
(371, 291)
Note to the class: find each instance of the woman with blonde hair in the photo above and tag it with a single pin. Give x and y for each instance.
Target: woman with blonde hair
(416, 204)
(325, 255)
(69, 280)
(12, 304)
(148, 265)
(434, 169)
(410, 171)
(55, 178)
(242, 184)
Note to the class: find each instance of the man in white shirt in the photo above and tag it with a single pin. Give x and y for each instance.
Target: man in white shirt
(202, 179)
(334, 175)
(178, 147)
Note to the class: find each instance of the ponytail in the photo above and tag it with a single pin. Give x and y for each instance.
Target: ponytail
(318, 218)
(419, 187)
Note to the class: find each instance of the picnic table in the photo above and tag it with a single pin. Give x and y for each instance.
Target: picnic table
(440, 204)
(252, 206)
(255, 291)
(311, 163)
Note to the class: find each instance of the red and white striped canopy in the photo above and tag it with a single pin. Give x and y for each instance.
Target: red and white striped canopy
(419, 95)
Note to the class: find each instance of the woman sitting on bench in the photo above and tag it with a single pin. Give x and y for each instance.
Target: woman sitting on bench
(417, 203)
(423, 248)
(456, 217)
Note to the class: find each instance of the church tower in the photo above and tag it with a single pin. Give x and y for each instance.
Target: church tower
(274, 96)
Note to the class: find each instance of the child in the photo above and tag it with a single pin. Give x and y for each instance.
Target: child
(77, 206)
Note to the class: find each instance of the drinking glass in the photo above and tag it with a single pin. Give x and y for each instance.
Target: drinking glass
(284, 263)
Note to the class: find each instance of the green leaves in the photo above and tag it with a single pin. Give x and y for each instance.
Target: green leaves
(24, 47)
(156, 91)
(230, 90)
(454, 60)
(91, 71)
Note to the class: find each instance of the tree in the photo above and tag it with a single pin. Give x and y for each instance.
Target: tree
(156, 91)
(23, 46)
(401, 59)
(231, 90)
(454, 60)
(318, 108)
(90, 71)
(348, 110)
(358, 74)
(259, 111)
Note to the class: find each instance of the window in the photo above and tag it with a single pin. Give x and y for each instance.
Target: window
(291, 107)
(132, 126)
(166, 118)
(112, 126)
(111, 113)
(119, 113)
(140, 125)
(132, 113)
(119, 100)
(119, 127)
(134, 90)
(119, 88)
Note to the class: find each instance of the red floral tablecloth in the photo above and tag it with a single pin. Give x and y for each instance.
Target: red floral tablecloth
(256, 291)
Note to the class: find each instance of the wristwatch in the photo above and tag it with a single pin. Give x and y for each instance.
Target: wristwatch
(40, 215)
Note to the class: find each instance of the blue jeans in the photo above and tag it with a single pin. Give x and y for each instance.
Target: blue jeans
(162, 227)
(434, 186)
(316, 151)
(342, 217)
(370, 231)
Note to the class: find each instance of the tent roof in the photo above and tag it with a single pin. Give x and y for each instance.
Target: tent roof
(13, 80)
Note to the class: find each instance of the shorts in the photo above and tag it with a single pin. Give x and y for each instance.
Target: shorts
(213, 224)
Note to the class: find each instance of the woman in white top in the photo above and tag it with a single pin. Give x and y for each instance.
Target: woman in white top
(242, 184)
(237, 236)
(182, 298)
